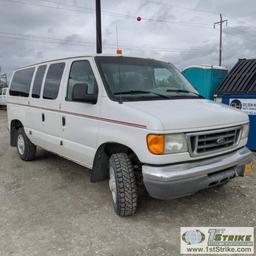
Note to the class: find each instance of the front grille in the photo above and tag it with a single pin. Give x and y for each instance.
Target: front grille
(209, 142)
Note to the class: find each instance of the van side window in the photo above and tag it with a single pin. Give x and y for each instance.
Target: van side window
(21, 82)
(38, 81)
(52, 81)
(81, 73)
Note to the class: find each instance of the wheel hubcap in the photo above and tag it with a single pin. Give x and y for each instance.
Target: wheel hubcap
(112, 183)
(21, 144)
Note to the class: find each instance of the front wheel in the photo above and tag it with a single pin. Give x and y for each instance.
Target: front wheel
(26, 149)
(122, 184)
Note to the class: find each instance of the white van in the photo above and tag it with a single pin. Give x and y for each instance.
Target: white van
(132, 121)
(3, 97)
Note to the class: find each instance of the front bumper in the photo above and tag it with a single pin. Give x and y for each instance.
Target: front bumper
(178, 180)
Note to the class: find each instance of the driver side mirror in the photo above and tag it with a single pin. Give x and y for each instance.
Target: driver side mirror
(80, 94)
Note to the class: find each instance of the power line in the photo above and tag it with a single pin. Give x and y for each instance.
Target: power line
(183, 7)
(52, 40)
(42, 39)
(46, 6)
(64, 4)
(153, 2)
(122, 14)
(60, 6)
(199, 25)
(106, 13)
(80, 8)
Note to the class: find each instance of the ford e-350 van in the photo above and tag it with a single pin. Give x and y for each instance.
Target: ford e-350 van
(131, 121)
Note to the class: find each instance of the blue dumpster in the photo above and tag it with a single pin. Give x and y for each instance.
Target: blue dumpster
(239, 90)
(205, 78)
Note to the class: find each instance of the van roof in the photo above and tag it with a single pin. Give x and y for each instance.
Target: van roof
(81, 56)
(66, 58)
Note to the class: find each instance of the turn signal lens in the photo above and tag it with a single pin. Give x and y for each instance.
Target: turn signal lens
(155, 144)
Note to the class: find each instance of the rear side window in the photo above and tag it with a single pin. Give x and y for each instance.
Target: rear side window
(38, 81)
(52, 81)
(21, 82)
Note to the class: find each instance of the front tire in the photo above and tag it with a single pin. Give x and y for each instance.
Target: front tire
(122, 184)
(26, 149)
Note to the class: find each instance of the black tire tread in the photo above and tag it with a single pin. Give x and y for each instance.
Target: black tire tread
(30, 148)
(127, 195)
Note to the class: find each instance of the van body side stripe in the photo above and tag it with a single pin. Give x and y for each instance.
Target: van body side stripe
(84, 116)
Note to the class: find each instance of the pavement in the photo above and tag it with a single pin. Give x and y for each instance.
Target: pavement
(49, 207)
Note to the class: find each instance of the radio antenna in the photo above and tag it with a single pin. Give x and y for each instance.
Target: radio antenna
(117, 46)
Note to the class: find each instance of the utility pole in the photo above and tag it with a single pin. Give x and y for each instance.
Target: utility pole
(98, 27)
(220, 47)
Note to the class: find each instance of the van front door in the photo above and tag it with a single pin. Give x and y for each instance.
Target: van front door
(79, 114)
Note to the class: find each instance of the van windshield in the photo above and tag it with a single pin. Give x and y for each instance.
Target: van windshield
(133, 79)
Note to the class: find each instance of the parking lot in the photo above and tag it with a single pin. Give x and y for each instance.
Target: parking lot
(49, 207)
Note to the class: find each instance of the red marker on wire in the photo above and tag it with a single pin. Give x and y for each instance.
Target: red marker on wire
(138, 18)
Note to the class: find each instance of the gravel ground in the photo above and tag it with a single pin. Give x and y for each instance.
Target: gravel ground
(49, 207)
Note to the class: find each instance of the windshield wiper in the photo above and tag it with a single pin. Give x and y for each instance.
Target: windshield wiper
(141, 91)
(131, 92)
(184, 91)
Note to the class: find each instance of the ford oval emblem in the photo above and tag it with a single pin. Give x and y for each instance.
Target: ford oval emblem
(221, 140)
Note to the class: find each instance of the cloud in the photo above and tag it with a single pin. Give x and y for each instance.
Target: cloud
(230, 8)
(184, 36)
(238, 42)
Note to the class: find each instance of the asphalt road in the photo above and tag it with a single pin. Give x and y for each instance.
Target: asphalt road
(49, 207)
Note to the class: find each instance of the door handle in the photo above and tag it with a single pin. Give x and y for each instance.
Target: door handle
(43, 117)
(63, 121)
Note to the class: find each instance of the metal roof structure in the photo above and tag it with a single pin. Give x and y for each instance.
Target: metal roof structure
(241, 79)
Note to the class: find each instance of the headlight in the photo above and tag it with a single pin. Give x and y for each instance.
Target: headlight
(167, 144)
(175, 143)
(245, 131)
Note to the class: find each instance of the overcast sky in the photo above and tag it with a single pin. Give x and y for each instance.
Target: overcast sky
(178, 31)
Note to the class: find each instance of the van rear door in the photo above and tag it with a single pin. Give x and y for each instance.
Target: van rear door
(45, 115)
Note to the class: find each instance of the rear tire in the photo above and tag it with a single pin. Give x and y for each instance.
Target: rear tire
(122, 184)
(26, 149)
